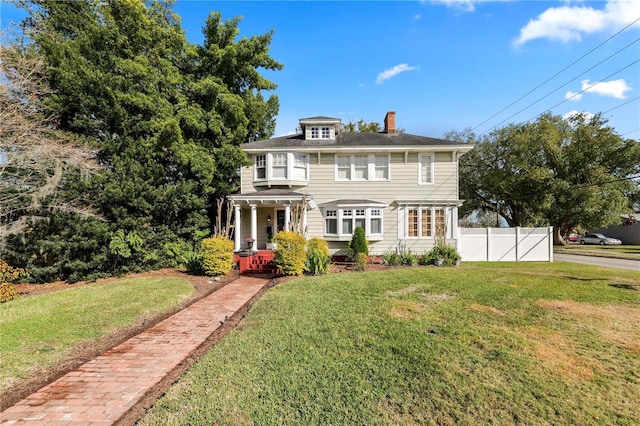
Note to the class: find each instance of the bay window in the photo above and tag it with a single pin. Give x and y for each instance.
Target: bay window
(281, 166)
(341, 222)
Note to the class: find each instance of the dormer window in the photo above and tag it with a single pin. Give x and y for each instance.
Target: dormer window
(320, 133)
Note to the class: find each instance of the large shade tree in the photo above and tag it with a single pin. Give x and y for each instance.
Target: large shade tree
(169, 116)
(565, 172)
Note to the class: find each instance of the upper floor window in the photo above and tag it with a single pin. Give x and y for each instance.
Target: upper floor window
(321, 132)
(281, 166)
(425, 169)
(261, 166)
(362, 167)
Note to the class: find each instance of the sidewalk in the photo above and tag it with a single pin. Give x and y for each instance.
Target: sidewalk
(103, 391)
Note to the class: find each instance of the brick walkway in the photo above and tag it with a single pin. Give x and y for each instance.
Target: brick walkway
(101, 391)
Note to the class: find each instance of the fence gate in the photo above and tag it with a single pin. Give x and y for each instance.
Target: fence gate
(506, 244)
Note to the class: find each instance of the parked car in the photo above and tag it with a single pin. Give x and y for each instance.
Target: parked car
(573, 238)
(599, 239)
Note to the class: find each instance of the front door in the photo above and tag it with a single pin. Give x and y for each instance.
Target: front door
(279, 220)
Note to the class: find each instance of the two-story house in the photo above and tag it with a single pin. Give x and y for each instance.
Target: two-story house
(401, 188)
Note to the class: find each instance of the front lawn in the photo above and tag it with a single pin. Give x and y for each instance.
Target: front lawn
(38, 331)
(501, 343)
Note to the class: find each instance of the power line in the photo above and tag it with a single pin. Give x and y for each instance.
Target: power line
(630, 131)
(621, 105)
(566, 83)
(583, 90)
(556, 74)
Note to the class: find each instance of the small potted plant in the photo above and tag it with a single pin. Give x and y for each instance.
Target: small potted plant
(270, 244)
(250, 242)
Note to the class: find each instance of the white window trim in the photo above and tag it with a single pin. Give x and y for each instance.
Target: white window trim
(320, 132)
(431, 157)
(340, 216)
(371, 168)
(447, 222)
(255, 167)
(290, 167)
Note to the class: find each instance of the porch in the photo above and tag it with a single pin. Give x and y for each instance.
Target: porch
(259, 216)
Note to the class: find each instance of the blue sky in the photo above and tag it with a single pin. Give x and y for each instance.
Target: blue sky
(442, 65)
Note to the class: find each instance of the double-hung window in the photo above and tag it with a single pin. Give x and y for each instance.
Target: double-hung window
(358, 167)
(343, 167)
(279, 166)
(326, 133)
(381, 167)
(315, 133)
(261, 167)
(331, 222)
(425, 169)
(299, 167)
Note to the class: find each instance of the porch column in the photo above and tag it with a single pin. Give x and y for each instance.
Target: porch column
(237, 233)
(304, 222)
(254, 227)
(287, 214)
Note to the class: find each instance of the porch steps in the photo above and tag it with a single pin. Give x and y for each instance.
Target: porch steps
(258, 262)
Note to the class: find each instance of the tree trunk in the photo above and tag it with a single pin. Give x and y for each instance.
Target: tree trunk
(557, 237)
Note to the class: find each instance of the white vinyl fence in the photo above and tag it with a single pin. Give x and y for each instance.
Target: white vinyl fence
(506, 244)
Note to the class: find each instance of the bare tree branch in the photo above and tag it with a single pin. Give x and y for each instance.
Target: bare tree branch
(34, 155)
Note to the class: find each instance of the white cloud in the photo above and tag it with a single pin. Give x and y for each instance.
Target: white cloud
(586, 115)
(614, 89)
(570, 22)
(573, 96)
(464, 5)
(392, 72)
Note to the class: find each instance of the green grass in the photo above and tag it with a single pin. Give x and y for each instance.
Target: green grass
(619, 252)
(39, 331)
(501, 343)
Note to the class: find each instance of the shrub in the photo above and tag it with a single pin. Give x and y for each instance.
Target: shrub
(391, 258)
(9, 274)
(194, 262)
(443, 251)
(217, 255)
(361, 262)
(318, 256)
(290, 254)
(409, 259)
(7, 292)
(358, 243)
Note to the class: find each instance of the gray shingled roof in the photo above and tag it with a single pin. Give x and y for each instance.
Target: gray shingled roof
(347, 140)
(320, 117)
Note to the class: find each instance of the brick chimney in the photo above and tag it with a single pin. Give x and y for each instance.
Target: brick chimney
(390, 122)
